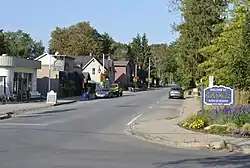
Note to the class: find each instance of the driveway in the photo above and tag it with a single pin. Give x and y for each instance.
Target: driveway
(91, 134)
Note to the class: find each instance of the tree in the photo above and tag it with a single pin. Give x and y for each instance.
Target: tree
(196, 31)
(107, 43)
(21, 44)
(140, 51)
(146, 52)
(2, 43)
(229, 61)
(79, 39)
(121, 51)
(136, 48)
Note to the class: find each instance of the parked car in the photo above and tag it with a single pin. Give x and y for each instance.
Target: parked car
(176, 92)
(104, 93)
(117, 91)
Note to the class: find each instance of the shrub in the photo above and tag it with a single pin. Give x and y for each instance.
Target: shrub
(231, 127)
(218, 130)
(194, 122)
(239, 115)
(246, 127)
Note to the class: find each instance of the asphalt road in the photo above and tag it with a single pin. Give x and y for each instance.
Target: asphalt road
(91, 135)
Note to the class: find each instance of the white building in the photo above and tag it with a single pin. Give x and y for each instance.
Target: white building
(18, 75)
(94, 67)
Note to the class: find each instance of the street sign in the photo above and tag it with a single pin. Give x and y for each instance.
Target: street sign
(51, 97)
(59, 65)
(218, 96)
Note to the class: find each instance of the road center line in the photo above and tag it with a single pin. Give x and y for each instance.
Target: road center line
(134, 119)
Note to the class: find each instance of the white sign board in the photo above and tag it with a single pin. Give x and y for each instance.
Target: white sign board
(51, 97)
(211, 81)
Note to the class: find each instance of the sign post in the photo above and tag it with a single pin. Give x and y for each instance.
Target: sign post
(51, 97)
(211, 81)
(217, 96)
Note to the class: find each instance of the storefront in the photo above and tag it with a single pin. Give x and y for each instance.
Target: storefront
(18, 77)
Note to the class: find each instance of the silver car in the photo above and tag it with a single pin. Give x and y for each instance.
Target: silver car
(176, 92)
(104, 93)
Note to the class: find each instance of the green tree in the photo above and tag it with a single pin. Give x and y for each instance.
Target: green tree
(196, 31)
(140, 51)
(229, 61)
(79, 39)
(107, 44)
(121, 51)
(2, 43)
(21, 44)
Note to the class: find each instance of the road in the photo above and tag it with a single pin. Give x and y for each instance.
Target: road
(91, 135)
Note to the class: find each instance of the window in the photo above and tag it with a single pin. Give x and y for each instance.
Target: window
(93, 71)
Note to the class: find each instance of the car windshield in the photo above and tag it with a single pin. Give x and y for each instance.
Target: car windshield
(113, 85)
(176, 89)
(104, 90)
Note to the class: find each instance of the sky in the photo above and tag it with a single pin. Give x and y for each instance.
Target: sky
(121, 19)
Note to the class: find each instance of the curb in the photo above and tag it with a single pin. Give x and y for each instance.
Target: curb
(166, 143)
(10, 114)
(62, 103)
(184, 145)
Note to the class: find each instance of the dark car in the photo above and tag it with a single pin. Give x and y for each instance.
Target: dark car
(176, 92)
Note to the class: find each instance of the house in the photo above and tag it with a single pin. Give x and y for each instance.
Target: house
(65, 78)
(94, 66)
(18, 76)
(123, 73)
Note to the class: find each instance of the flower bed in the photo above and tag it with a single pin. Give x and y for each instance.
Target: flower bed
(233, 121)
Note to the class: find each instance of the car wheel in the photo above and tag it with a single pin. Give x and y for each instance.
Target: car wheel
(169, 97)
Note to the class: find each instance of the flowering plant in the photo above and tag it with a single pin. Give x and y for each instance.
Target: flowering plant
(103, 77)
(239, 115)
(136, 79)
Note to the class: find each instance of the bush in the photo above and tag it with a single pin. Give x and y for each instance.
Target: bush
(194, 122)
(238, 115)
(218, 130)
(246, 127)
(231, 127)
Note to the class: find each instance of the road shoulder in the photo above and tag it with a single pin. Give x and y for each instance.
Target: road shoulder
(167, 132)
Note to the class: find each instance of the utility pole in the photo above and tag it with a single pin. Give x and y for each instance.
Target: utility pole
(149, 72)
(136, 66)
(49, 71)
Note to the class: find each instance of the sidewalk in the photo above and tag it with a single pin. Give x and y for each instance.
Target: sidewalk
(8, 109)
(165, 131)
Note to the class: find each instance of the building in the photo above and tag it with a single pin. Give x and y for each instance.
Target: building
(94, 66)
(65, 77)
(18, 77)
(123, 73)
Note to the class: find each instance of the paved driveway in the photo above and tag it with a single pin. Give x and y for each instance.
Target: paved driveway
(91, 135)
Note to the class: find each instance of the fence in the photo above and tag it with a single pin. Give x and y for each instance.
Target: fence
(242, 98)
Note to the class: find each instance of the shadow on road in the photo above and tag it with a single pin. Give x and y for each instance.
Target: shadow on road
(237, 161)
(57, 111)
(126, 95)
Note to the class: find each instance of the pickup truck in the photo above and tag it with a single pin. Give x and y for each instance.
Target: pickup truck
(117, 91)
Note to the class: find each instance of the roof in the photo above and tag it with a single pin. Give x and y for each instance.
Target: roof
(82, 60)
(121, 63)
(107, 63)
(41, 56)
(86, 75)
